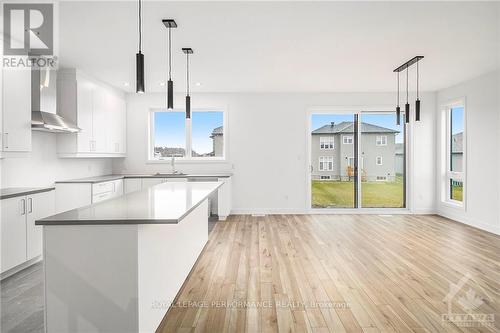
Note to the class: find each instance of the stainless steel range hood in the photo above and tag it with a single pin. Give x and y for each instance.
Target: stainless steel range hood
(43, 104)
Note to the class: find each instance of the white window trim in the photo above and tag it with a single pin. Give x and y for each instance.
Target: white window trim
(344, 137)
(327, 140)
(446, 144)
(323, 160)
(381, 160)
(188, 158)
(383, 142)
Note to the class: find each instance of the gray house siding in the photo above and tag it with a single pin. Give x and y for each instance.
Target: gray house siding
(342, 152)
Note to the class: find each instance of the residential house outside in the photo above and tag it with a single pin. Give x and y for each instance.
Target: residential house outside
(457, 152)
(400, 159)
(332, 152)
(217, 137)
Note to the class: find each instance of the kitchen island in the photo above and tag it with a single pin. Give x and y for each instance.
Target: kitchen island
(115, 266)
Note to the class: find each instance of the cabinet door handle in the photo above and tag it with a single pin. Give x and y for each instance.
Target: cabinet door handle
(6, 140)
(30, 205)
(23, 206)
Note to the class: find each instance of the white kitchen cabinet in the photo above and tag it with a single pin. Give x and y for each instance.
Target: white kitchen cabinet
(176, 180)
(148, 182)
(72, 195)
(98, 109)
(13, 232)
(107, 190)
(38, 205)
(224, 199)
(16, 109)
(21, 238)
(132, 185)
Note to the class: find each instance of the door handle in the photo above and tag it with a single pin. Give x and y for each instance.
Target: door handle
(30, 205)
(23, 206)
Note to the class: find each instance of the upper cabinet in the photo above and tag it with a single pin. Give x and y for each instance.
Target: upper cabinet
(98, 109)
(16, 110)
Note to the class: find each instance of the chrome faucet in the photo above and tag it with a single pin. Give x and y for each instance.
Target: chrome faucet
(172, 164)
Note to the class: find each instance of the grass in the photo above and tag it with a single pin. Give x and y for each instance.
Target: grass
(340, 194)
(457, 193)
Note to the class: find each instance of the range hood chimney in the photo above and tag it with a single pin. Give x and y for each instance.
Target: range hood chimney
(43, 95)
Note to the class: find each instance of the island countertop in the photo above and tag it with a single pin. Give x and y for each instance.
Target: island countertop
(165, 203)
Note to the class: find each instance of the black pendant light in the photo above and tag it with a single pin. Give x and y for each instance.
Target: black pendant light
(398, 109)
(139, 58)
(187, 51)
(169, 24)
(417, 102)
(407, 105)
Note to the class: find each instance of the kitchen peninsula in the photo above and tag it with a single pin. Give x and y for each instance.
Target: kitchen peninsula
(109, 265)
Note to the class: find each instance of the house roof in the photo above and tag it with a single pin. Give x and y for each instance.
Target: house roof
(217, 131)
(457, 143)
(348, 127)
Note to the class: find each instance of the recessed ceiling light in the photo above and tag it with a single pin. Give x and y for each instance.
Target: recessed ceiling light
(198, 84)
(126, 84)
(162, 84)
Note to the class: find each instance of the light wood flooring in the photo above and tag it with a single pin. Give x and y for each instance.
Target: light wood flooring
(339, 273)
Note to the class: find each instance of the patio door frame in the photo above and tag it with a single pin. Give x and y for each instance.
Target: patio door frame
(357, 112)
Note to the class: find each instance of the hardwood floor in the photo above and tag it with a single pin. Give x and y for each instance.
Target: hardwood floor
(341, 273)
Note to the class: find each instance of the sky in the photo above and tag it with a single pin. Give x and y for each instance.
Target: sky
(457, 125)
(170, 129)
(387, 120)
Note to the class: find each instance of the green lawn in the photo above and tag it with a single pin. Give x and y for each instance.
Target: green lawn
(337, 194)
(457, 193)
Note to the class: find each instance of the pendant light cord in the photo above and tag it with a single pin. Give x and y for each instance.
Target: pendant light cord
(169, 53)
(407, 84)
(417, 79)
(140, 26)
(187, 72)
(398, 90)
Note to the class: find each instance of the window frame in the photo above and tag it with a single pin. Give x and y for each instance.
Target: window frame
(382, 142)
(448, 174)
(330, 140)
(322, 160)
(377, 160)
(344, 137)
(188, 139)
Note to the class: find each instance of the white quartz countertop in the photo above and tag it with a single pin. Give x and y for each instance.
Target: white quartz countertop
(105, 178)
(160, 204)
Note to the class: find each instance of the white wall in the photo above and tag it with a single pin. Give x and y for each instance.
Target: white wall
(482, 160)
(267, 145)
(42, 167)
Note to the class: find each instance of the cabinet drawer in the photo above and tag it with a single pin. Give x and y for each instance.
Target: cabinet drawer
(104, 187)
(101, 197)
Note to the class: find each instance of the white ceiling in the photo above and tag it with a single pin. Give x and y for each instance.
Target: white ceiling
(283, 46)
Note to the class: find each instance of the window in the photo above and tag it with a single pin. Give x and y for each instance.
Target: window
(381, 140)
(350, 161)
(201, 137)
(326, 142)
(379, 160)
(347, 139)
(326, 163)
(455, 149)
(169, 134)
(381, 178)
(207, 134)
(325, 177)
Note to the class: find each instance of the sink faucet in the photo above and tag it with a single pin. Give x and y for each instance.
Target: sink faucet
(172, 164)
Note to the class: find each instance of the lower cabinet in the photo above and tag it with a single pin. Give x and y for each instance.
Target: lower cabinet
(21, 239)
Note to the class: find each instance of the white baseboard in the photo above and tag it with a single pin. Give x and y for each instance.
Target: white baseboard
(494, 229)
(298, 211)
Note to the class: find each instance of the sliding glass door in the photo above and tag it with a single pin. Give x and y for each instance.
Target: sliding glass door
(358, 160)
(333, 161)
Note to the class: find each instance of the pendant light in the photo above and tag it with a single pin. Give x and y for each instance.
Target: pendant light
(187, 51)
(139, 58)
(417, 102)
(169, 24)
(407, 105)
(398, 109)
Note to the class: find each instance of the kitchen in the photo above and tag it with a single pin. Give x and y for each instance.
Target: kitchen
(203, 153)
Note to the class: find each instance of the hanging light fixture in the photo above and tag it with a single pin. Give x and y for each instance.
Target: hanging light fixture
(398, 109)
(139, 58)
(169, 24)
(187, 51)
(407, 105)
(417, 102)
